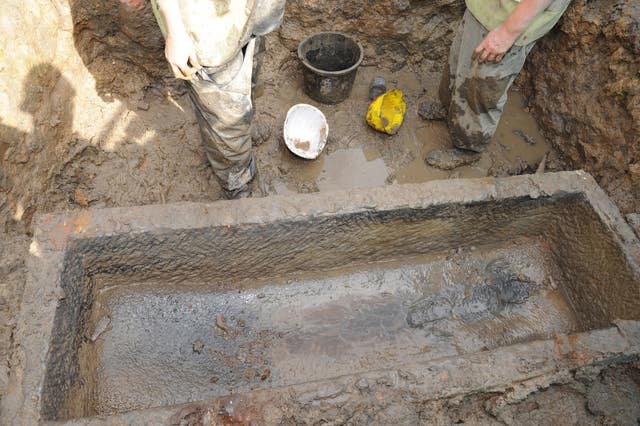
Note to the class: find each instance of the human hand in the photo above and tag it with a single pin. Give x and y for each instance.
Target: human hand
(181, 55)
(495, 45)
(136, 5)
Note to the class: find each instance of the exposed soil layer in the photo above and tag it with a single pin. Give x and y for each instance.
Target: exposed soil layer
(13, 251)
(583, 84)
(609, 397)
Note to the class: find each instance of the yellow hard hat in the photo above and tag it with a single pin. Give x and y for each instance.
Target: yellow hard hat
(386, 112)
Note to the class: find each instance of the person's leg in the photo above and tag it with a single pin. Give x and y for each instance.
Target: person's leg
(222, 103)
(478, 93)
(448, 79)
(259, 53)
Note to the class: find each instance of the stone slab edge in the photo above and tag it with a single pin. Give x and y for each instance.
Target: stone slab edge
(515, 368)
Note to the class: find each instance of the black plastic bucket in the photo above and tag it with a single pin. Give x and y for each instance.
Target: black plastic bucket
(331, 61)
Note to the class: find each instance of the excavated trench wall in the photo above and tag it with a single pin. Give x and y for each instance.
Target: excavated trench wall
(583, 85)
(36, 109)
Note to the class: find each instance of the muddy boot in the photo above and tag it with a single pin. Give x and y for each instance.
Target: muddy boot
(255, 188)
(449, 159)
(236, 194)
(432, 110)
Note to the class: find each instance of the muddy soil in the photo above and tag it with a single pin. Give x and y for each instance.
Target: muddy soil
(608, 398)
(90, 118)
(583, 84)
(13, 250)
(145, 149)
(357, 156)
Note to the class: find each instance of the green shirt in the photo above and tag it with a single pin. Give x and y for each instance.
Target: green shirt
(492, 13)
(220, 28)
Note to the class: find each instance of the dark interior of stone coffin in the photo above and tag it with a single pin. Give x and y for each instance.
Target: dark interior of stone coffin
(595, 276)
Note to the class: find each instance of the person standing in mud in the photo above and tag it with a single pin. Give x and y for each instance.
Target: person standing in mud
(211, 44)
(489, 50)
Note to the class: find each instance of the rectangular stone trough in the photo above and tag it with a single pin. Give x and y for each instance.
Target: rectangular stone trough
(265, 309)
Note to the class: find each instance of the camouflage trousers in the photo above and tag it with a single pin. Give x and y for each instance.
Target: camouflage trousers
(222, 101)
(474, 94)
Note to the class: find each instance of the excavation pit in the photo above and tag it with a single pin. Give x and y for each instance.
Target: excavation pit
(438, 289)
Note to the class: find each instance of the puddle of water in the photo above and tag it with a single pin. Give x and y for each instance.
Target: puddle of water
(299, 169)
(417, 170)
(350, 168)
(283, 188)
(514, 119)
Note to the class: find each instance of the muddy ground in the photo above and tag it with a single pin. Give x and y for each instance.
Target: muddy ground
(95, 121)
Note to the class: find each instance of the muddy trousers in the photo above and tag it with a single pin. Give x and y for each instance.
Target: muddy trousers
(223, 107)
(474, 94)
